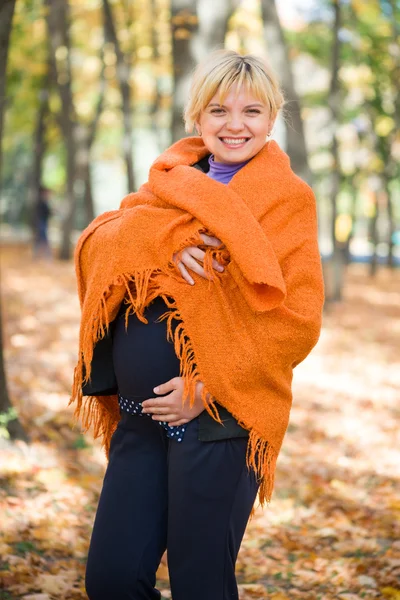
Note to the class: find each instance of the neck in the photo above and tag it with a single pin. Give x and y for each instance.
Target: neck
(223, 172)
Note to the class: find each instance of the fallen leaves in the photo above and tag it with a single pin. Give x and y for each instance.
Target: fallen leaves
(391, 593)
(332, 530)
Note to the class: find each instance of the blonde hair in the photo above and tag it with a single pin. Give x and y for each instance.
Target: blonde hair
(220, 71)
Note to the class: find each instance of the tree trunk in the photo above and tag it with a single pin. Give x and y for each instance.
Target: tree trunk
(69, 216)
(39, 148)
(277, 49)
(197, 29)
(213, 18)
(334, 105)
(90, 137)
(373, 231)
(395, 23)
(58, 19)
(6, 15)
(78, 138)
(353, 216)
(13, 425)
(155, 108)
(184, 24)
(392, 228)
(123, 72)
(88, 196)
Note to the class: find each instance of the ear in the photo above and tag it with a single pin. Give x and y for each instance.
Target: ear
(271, 124)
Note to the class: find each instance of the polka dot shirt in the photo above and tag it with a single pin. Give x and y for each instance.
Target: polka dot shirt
(134, 407)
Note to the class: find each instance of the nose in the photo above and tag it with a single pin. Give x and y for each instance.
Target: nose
(235, 123)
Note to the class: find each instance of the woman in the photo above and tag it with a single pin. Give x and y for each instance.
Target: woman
(217, 254)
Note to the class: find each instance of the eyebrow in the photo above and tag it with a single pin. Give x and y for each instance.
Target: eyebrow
(248, 106)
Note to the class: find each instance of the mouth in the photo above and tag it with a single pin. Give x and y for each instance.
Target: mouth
(235, 143)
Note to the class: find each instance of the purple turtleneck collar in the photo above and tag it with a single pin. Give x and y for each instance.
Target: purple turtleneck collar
(223, 172)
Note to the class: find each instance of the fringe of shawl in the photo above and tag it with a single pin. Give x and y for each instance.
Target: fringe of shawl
(101, 413)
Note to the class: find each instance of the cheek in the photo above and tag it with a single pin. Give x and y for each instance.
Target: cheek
(260, 132)
(211, 127)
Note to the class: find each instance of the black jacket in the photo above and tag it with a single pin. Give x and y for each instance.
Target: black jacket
(103, 383)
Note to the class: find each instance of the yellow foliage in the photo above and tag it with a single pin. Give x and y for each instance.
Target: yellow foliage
(391, 593)
(61, 52)
(182, 34)
(376, 165)
(343, 227)
(384, 125)
(145, 52)
(369, 10)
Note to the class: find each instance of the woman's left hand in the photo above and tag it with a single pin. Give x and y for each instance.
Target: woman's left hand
(169, 408)
(190, 256)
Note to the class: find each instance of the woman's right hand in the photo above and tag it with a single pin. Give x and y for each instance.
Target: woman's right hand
(190, 256)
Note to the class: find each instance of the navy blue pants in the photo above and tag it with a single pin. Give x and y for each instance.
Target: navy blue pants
(192, 498)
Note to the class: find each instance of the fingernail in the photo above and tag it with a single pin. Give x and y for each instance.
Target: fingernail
(191, 282)
(156, 389)
(220, 268)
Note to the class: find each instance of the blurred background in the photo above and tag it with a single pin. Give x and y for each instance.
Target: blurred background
(90, 93)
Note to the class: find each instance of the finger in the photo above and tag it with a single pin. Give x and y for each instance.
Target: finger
(168, 417)
(167, 386)
(157, 410)
(155, 404)
(185, 274)
(198, 254)
(210, 240)
(178, 423)
(194, 251)
(217, 266)
(191, 263)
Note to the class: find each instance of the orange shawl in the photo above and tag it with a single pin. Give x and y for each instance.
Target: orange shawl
(242, 333)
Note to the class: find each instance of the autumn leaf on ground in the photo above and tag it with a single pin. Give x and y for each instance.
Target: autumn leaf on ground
(332, 529)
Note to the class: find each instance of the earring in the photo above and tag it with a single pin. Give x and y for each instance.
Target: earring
(199, 132)
(268, 134)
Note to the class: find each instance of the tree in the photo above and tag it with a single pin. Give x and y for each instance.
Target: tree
(6, 14)
(39, 145)
(89, 139)
(376, 47)
(198, 27)
(334, 106)
(13, 425)
(123, 71)
(278, 51)
(184, 23)
(58, 19)
(78, 136)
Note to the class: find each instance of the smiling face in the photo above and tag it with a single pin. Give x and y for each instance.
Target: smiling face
(236, 130)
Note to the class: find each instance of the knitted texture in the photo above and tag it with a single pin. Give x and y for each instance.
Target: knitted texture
(243, 331)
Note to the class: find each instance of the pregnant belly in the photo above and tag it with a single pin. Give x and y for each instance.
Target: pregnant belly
(142, 355)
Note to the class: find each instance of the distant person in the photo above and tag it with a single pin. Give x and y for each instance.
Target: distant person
(218, 254)
(41, 216)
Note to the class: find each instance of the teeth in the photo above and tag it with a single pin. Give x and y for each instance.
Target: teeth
(234, 142)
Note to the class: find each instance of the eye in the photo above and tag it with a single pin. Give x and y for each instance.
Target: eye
(254, 111)
(217, 111)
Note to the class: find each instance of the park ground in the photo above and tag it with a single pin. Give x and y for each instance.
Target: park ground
(332, 530)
